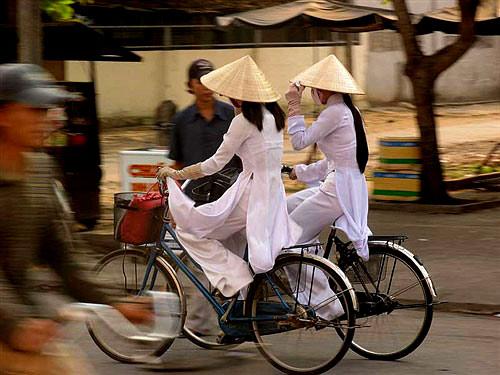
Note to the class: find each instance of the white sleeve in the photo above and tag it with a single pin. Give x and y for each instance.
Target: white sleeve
(325, 123)
(312, 172)
(237, 133)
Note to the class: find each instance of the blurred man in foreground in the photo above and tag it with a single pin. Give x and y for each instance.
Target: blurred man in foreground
(31, 231)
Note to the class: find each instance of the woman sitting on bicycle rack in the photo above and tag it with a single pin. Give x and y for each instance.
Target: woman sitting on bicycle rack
(254, 209)
(340, 135)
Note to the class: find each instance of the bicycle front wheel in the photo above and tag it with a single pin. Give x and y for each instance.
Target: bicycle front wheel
(400, 290)
(121, 273)
(296, 309)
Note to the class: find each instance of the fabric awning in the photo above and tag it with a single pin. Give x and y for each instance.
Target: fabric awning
(335, 15)
(69, 41)
(343, 17)
(447, 20)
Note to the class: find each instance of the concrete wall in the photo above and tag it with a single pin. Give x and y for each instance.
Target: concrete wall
(135, 89)
(474, 77)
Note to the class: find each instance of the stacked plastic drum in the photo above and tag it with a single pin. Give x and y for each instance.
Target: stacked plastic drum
(397, 177)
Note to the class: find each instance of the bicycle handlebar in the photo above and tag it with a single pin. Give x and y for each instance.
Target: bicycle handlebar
(286, 169)
(162, 183)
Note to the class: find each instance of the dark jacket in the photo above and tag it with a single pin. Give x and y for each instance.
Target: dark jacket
(32, 232)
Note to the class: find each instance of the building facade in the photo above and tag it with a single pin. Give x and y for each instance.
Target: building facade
(135, 89)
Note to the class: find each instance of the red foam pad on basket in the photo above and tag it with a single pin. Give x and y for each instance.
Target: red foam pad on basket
(142, 222)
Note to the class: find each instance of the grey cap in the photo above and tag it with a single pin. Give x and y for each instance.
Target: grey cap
(30, 84)
(199, 68)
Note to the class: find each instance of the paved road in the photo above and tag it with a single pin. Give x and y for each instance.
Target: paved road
(461, 252)
(458, 344)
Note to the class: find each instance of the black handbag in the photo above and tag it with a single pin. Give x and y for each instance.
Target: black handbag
(210, 188)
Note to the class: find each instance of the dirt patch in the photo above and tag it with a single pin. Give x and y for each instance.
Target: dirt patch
(459, 158)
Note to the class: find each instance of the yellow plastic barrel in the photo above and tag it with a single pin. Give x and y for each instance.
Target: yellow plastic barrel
(396, 185)
(400, 153)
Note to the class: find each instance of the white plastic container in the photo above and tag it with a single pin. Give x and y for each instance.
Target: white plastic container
(138, 167)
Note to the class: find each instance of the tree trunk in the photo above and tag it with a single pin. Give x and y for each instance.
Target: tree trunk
(423, 72)
(433, 188)
(29, 31)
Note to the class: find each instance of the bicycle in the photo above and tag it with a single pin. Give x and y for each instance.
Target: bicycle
(392, 281)
(281, 314)
(393, 290)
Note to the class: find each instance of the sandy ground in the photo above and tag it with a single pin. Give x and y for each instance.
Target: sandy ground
(466, 135)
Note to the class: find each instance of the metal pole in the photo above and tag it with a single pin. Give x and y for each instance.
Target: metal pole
(348, 52)
(93, 79)
(348, 47)
(92, 71)
(257, 40)
(29, 29)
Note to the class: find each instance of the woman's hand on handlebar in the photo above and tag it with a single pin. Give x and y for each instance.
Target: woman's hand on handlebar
(191, 172)
(165, 172)
(290, 171)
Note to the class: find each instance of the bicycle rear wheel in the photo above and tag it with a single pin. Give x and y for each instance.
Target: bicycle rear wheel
(294, 309)
(404, 301)
(121, 273)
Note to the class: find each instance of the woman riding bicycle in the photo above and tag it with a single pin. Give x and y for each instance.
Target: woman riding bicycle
(254, 209)
(340, 135)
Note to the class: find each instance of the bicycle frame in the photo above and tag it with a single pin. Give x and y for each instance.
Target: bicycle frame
(179, 263)
(165, 250)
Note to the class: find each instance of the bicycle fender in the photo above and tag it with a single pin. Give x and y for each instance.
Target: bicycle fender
(413, 258)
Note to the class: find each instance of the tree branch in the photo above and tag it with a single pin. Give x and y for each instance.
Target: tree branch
(448, 55)
(407, 31)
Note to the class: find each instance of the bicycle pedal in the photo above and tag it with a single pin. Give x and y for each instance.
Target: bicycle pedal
(224, 339)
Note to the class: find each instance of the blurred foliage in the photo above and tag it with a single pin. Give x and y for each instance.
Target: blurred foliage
(467, 170)
(61, 10)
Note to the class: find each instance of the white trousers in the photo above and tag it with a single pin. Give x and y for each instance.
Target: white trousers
(200, 317)
(313, 210)
(225, 269)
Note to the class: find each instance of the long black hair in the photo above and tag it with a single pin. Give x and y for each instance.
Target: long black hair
(253, 113)
(362, 151)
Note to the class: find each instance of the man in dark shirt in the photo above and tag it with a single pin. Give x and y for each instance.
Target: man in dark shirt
(199, 130)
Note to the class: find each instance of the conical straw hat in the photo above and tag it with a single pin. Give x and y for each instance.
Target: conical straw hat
(243, 80)
(329, 74)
